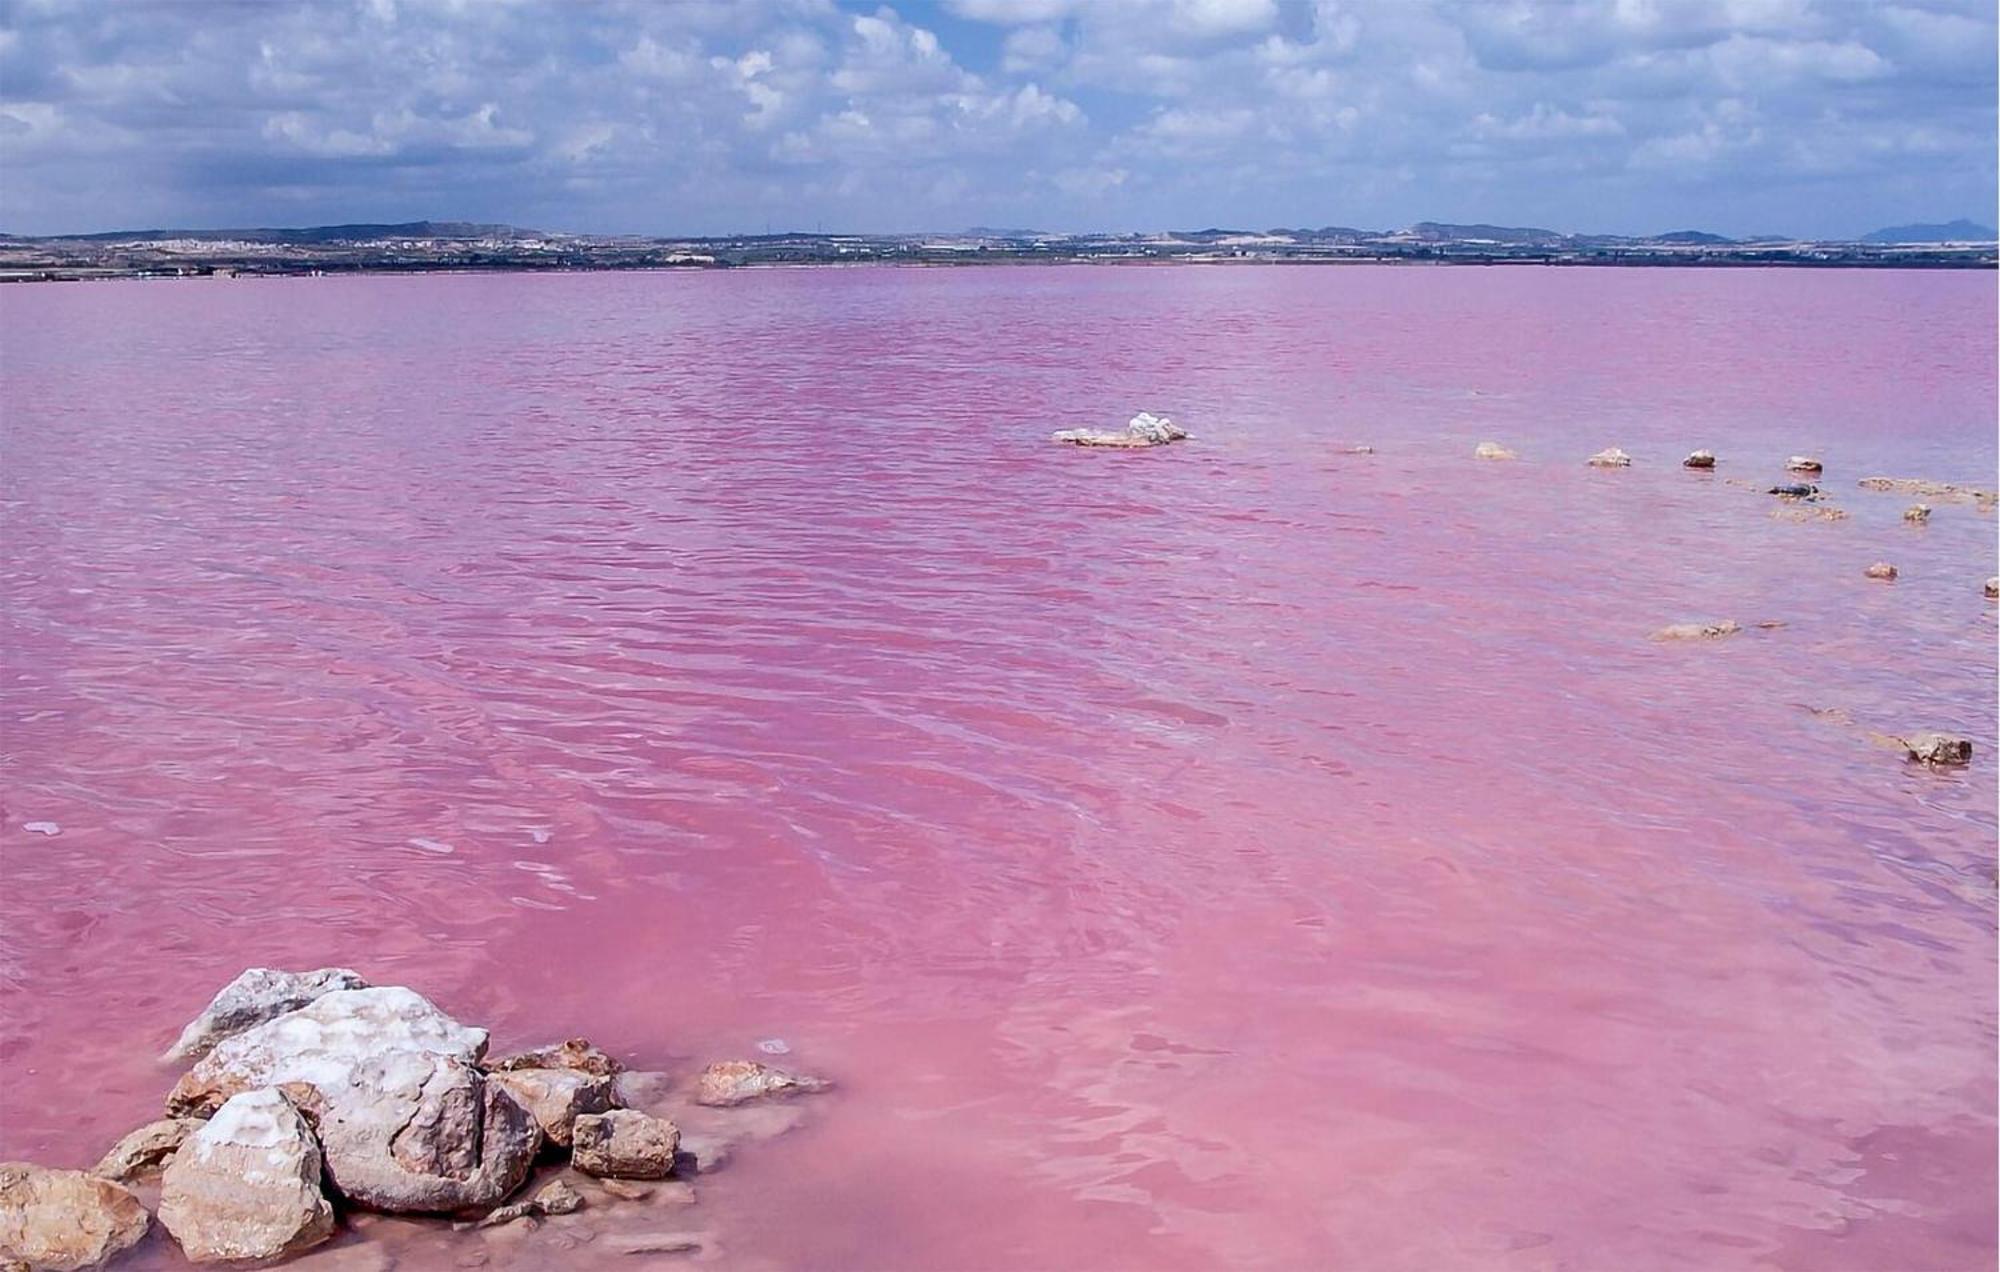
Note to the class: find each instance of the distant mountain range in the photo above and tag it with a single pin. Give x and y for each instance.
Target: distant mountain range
(1514, 236)
(1959, 231)
(307, 234)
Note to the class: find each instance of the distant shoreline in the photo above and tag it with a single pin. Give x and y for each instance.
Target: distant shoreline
(240, 270)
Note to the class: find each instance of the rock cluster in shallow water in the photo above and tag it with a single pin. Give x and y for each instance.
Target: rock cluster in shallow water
(314, 1093)
(1142, 430)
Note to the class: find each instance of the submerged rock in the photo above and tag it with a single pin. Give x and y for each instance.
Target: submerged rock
(557, 1097)
(1804, 464)
(576, 1054)
(1143, 429)
(1815, 513)
(1937, 749)
(63, 1220)
(1699, 631)
(258, 995)
(1699, 459)
(145, 1151)
(729, 1082)
(407, 1123)
(559, 1197)
(1917, 514)
(625, 1144)
(1796, 490)
(1492, 450)
(1993, 587)
(1611, 457)
(1359, 450)
(660, 1243)
(1880, 570)
(247, 1184)
(1926, 488)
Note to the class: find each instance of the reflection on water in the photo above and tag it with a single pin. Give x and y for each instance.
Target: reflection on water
(1242, 854)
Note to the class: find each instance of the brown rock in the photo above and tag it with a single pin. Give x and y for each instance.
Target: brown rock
(1881, 570)
(559, 1197)
(728, 1082)
(246, 1186)
(145, 1151)
(1699, 459)
(1993, 588)
(576, 1054)
(1917, 514)
(557, 1097)
(1804, 464)
(62, 1220)
(626, 1144)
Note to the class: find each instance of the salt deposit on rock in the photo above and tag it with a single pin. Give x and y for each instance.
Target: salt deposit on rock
(1881, 570)
(625, 1144)
(246, 1186)
(1143, 429)
(63, 1220)
(256, 996)
(1610, 457)
(407, 1122)
(1699, 459)
(145, 1151)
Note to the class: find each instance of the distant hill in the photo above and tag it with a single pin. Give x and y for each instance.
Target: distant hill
(310, 234)
(1691, 236)
(1959, 231)
(1441, 231)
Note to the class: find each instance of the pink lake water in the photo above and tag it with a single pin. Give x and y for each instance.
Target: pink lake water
(1241, 854)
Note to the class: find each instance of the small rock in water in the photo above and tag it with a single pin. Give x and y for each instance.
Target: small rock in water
(247, 1185)
(41, 828)
(1804, 464)
(146, 1151)
(1938, 749)
(1796, 490)
(1917, 514)
(1611, 457)
(624, 1143)
(1993, 588)
(1880, 570)
(559, 1197)
(1143, 429)
(64, 1219)
(1815, 513)
(1359, 450)
(1699, 631)
(625, 1190)
(1492, 450)
(730, 1082)
(659, 1243)
(1699, 459)
(258, 995)
(576, 1053)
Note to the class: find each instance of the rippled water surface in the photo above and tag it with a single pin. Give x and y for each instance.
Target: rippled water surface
(1238, 854)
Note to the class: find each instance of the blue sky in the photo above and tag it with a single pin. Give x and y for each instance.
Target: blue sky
(1808, 117)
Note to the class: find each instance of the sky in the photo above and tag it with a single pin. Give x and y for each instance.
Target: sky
(1815, 118)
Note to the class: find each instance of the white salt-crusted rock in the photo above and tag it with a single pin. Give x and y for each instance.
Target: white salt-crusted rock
(246, 1186)
(258, 995)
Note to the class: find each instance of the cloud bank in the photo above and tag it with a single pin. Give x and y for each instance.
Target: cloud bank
(1813, 117)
